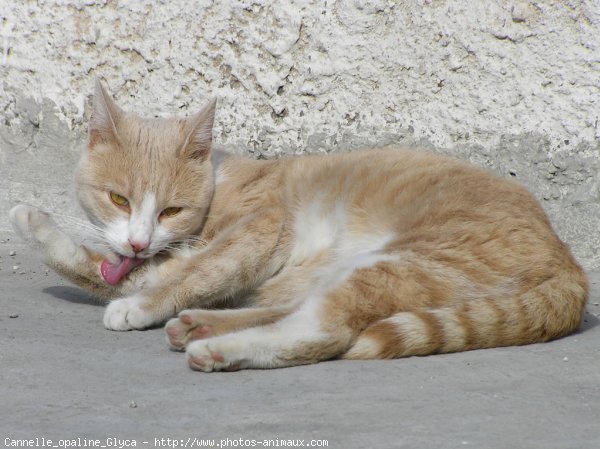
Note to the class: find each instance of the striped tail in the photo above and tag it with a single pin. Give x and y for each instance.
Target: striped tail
(550, 310)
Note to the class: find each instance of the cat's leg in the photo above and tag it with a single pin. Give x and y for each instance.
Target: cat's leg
(198, 324)
(238, 260)
(273, 300)
(288, 286)
(74, 262)
(297, 339)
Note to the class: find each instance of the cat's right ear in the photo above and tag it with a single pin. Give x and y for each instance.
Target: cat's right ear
(105, 117)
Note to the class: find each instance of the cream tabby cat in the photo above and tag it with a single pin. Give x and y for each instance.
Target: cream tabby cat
(376, 254)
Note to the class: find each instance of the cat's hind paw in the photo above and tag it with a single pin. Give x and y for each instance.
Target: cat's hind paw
(128, 314)
(185, 328)
(214, 354)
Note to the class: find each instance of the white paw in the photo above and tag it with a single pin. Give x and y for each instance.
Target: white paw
(32, 224)
(127, 314)
(215, 354)
(39, 230)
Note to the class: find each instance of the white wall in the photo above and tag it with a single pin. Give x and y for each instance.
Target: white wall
(511, 85)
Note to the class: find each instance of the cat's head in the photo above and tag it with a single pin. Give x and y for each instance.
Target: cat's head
(146, 182)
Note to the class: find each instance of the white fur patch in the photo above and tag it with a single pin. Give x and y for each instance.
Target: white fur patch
(142, 221)
(316, 229)
(161, 237)
(360, 252)
(116, 235)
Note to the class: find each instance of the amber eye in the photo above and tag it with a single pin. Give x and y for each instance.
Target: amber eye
(170, 211)
(119, 200)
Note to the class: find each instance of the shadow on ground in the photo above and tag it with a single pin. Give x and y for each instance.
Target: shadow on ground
(72, 294)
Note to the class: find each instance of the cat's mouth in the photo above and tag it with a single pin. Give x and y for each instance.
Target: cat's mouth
(114, 272)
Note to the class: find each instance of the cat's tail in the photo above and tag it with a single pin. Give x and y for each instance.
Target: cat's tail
(550, 310)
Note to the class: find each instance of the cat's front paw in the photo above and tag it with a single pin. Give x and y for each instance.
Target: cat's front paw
(214, 354)
(127, 314)
(32, 224)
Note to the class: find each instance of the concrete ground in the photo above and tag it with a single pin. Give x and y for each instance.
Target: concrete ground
(64, 376)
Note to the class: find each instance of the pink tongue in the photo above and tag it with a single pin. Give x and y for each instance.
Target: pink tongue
(113, 273)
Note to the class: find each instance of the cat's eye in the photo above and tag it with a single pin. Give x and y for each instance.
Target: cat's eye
(119, 200)
(170, 211)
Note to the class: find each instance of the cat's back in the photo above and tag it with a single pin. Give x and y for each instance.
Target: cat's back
(410, 180)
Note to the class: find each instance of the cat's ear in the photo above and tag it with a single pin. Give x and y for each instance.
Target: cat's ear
(105, 117)
(198, 141)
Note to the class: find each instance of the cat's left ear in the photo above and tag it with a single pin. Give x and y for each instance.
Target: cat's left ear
(199, 139)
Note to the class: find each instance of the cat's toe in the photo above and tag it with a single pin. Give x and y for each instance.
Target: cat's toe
(128, 314)
(202, 357)
(185, 328)
(200, 361)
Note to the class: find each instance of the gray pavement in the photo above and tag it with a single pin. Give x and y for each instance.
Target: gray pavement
(64, 376)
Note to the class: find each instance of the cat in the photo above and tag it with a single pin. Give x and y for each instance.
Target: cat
(376, 254)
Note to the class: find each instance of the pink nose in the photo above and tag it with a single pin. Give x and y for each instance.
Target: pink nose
(138, 246)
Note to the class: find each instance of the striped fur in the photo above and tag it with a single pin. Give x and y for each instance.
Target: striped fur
(535, 316)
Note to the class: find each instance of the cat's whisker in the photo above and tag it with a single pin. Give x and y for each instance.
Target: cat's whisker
(74, 222)
(194, 239)
(84, 229)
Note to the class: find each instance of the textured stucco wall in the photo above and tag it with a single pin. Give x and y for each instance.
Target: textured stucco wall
(510, 85)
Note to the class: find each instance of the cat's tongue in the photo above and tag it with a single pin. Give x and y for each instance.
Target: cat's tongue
(114, 272)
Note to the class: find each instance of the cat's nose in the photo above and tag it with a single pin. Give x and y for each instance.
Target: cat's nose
(138, 246)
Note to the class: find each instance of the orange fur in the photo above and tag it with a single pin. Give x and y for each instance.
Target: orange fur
(374, 254)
